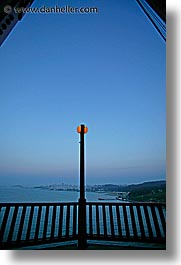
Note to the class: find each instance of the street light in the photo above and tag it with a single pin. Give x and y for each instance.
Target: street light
(82, 129)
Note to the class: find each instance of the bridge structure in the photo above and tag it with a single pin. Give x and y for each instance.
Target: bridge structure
(9, 18)
(155, 10)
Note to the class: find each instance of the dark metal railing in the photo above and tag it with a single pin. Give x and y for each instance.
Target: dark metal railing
(143, 222)
(37, 223)
(29, 224)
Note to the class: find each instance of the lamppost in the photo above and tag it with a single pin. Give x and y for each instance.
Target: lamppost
(82, 129)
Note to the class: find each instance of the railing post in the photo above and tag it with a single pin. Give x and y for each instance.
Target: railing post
(82, 200)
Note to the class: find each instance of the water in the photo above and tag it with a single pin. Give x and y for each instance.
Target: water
(18, 194)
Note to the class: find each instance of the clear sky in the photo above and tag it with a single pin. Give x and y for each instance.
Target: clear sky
(106, 70)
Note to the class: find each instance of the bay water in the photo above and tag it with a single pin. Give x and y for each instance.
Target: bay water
(28, 194)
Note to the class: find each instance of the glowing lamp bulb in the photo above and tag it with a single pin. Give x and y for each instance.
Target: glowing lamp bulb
(79, 129)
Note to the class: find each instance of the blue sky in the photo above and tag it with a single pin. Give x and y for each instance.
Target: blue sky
(106, 70)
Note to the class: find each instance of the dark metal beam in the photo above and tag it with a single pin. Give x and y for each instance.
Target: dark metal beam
(159, 6)
(149, 10)
(9, 17)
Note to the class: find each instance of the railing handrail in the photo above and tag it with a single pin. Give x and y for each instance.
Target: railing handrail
(76, 203)
(12, 204)
(128, 203)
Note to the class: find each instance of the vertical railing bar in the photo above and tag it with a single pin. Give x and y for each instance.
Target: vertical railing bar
(118, 221)
(133, 221)
(53, 221)
(60, 222)
(148, 221)
(162, 218)
(74, 219)
(13, 221)
(126, 221)
(155, 222)
(97, 221)
(47, 209)
(104, 220)
(111, 220)
(68, 220)
(30, 222)
(7, 210)
(140, 221)
(90, 219)
(22, 219)
(38, 222)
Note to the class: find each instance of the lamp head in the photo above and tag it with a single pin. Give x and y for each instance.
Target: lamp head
(79, 128)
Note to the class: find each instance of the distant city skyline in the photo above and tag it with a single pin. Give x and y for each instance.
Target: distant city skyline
(106, 70)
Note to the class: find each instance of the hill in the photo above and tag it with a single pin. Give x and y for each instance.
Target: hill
(153, 191)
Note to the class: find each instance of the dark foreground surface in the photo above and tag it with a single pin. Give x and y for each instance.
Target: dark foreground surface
(98, 246)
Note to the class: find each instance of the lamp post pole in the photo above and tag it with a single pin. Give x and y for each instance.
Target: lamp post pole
(82, 181)
(82, 200)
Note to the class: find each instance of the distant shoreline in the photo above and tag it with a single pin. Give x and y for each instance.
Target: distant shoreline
(153, 191)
